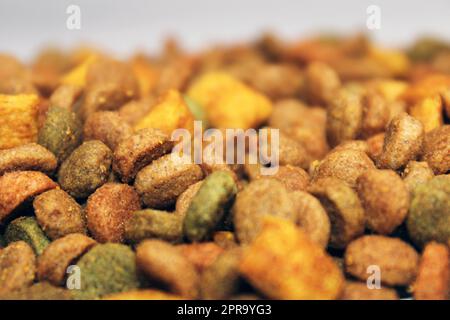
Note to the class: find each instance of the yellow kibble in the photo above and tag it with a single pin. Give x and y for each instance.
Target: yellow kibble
(429, 112)
(228, 102)
(391, 90)
(77, 76)
(394, 60)
(146, 75)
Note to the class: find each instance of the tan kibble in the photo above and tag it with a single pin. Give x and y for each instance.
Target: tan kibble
(65, 96)
(375, 146)
(437, 149)
(321, 83)
(375, 114)
(292, 177)
(201, 255)
(416, 173)
(397, 260)
(385, 199)
(403, 142)
(354, 290)
(184, 199)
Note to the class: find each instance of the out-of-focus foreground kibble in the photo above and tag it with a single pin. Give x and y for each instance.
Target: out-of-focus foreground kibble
(29, 156)
(396, 260)
(106, 269)
(108, 127)
(429, 214)
(282, 263)
(360, 291)
(209, 205)
(108, 209)
(61, 132)
(433, 278)
(17, 267)
(16, 187)
(18, 119)
(161, 182)
(403, 142)
(385, 199)
(344, 210)
(86, 169)
(201, 254)
(164, 263)
(437, 149)
(53, 263)
(321, 83)
(416, 173)
(134, 153)
(59, 214)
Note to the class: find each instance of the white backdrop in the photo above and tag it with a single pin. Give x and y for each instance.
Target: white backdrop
(123, 26)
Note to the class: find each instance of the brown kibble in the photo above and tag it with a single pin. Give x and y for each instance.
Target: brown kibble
(165, 264)
(403, 142)
(260, 198)
(134, 153)
(143, 294)
(416, 173)
(18, 186)
(375, 146)
(184, 199)
(27, 157)
(354, 290)
(65, 96)
(225, 239)
(385, 199)
(375, 114)
(344, 210)
(293, 178)
(160, 183)
(321, 83)
(312, 217)
(107, 210)
(433, 278)
(346, 165)
(59, 255)
(17, 267)
(437, 149)
(133, 111)
(397, 260)
(108, 127)
(358, 145)
(201, 255)
(58, 214)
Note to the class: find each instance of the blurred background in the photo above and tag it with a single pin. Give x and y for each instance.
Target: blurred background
(125, 26)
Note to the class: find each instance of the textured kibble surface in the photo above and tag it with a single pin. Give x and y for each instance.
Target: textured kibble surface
(313, 168)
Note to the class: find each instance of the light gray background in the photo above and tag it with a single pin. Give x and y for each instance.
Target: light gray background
(124, 26)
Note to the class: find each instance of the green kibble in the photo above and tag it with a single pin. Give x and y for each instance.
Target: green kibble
(86, 169)
(145, 224)
(61, 132)
(208, 206)
(429, 214)
(27, 229)
(197, 110)
(105, 269)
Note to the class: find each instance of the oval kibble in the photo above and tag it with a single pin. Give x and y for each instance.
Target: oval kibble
(397, 260)
(108, 209)
(137, 151)
(160, 183)
(86, 169)
(16, 187)
(293, 178)
(59, 255)
(28, 157)
(165, 264)
(385, 199)
(17, 267)
(437, 149)
(27, 229)
(59, 214)
(184, 199)
(61, 133)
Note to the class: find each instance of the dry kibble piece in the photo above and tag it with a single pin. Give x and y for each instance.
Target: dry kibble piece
(108, 209)
(148, 223)
(184, 199)
(403, 142)
(260, 198)
(65, 96)
(344, 210)
(59, 214)
(27, 229)
(86, 169)
(312, 217)
(16, 187)
(59, 255)
(433, 278)
(354, 290)
(358, 145)
(17, 267)
(344, 117)
(321, 83)
(165, 264)
(397, 260)
(202, 255)
(137, 151)
(225, 239)
(437, 149)
(292, 177)
(283, 263)
(346, 165)
(375, 114)
(385, 199)
(428, 111)
(416, 173)
(375, 146)
(108, 127)
(39, 291)
(29, 156)
(160, 183)
(144, 294)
